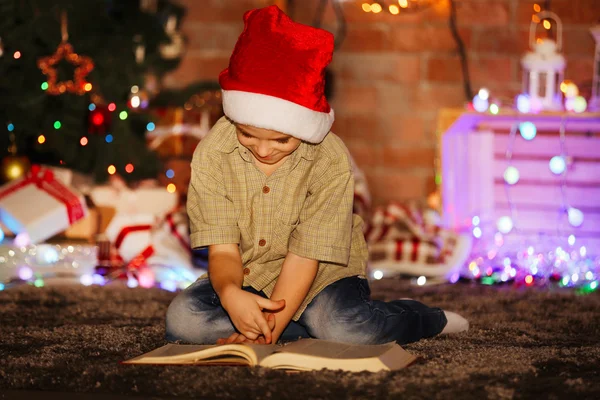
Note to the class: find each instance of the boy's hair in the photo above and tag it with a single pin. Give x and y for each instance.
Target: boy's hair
(275, 79)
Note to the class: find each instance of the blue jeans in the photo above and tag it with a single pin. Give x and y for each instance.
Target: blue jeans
(342, 312)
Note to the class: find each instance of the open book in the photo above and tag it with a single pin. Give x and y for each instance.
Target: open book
(301, 355)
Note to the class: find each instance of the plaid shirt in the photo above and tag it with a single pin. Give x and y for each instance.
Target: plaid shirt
(304, 207)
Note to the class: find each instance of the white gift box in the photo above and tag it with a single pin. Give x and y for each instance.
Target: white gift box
(131, 234)
(40, 206)
(171, 242)
(154, 201)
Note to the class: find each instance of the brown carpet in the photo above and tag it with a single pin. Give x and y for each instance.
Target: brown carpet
(523, 343)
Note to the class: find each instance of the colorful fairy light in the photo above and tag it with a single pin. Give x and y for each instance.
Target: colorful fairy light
(557, 165)
(480, 104)
(523, 103)
(511, 175)
(575, 217)
(528, 130)
(484, 94)
(504, 224)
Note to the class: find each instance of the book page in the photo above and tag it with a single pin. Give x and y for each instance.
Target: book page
(204, 354)
(327, 349)
(314, 354)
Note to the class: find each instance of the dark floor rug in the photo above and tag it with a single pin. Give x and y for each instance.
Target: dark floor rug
(66, 341)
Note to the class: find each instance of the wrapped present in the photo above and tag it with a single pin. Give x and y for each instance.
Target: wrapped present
(410, 241)
(39, 205)
(156, 201)
(171, 241)
(131, 235)
(93, 224)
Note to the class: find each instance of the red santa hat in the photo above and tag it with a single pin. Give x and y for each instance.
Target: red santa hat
(275, 79)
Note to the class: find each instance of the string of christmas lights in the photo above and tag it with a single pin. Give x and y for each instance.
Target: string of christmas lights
(543, 259)
(38, 264)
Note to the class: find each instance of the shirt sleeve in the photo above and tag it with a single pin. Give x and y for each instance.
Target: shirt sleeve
(211, 212)
(324, 232)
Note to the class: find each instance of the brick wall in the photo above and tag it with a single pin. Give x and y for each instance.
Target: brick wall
(393, 73)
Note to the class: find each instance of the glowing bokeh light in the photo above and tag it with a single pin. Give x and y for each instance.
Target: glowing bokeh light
(528, 130)
(575, 216)
(504, 224)
(523, 103)
(511, 175)
(557, 165)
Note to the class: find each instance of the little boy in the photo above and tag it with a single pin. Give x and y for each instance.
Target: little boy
(271, 196)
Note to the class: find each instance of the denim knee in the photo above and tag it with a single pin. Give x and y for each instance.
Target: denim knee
(196, 316)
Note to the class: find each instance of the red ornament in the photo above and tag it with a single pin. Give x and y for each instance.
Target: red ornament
(83, 67)
(99, 120)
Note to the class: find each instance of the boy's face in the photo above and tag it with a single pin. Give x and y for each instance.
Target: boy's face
(267, 146)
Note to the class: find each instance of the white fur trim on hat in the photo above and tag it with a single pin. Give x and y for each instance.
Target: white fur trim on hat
(274, 113)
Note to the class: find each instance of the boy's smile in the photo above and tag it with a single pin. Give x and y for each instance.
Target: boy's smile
(267, 146)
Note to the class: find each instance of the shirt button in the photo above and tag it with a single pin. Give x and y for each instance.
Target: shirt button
(262, 242)
(266, 189)
(246, 271)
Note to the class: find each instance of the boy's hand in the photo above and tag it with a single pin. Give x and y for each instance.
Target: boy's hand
(245, 311)
(239, 338)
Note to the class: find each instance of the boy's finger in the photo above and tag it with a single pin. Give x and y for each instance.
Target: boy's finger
(268, 304)
(271, 321)
(240, 339)
(264, 327)
(232, 338)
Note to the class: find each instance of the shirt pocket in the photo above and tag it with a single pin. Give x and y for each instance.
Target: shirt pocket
(289, 207)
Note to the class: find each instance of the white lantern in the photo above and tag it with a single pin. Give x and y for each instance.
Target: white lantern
(544, 67)
(594, 104)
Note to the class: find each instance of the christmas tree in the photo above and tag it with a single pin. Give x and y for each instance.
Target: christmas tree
(76, 78)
